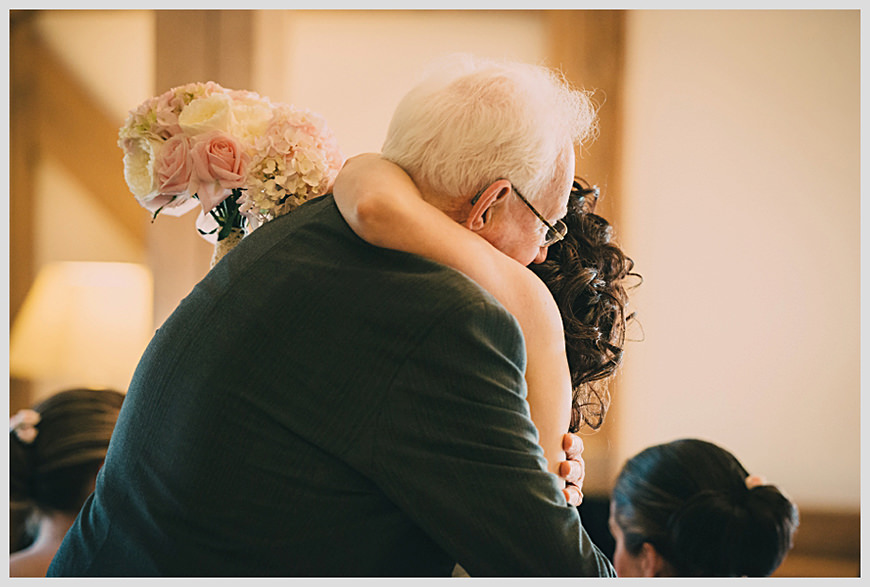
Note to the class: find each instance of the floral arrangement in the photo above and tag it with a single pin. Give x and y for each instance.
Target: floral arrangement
(244, 159)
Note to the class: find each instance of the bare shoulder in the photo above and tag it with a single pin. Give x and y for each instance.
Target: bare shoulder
(535, 307)
(29, 563)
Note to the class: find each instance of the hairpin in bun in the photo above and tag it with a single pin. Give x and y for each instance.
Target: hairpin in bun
(23, 425)
(754, 481)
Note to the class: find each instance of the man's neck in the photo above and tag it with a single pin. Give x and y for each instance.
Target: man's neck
(454, 207)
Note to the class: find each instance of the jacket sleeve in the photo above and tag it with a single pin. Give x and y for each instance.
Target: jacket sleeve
(455, 448)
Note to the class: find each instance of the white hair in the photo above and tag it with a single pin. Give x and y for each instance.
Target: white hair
(473, 121)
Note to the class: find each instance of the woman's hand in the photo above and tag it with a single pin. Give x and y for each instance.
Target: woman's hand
(573, 469)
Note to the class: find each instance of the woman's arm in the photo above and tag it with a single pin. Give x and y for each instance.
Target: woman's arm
(383, 206)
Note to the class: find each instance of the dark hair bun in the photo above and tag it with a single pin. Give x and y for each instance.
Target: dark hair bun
(738, 532)
(54, 471)
(20, 468)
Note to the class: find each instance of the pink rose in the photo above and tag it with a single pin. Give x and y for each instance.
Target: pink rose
(219, 164)
(172, 166)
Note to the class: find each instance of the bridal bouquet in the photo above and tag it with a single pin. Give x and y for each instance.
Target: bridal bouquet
(242, 158)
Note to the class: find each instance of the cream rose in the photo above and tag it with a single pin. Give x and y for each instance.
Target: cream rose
(139, 167)
(206, 114)
(250, 117)
(140, 158)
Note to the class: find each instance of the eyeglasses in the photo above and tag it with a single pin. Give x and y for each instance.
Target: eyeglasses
(555, 232)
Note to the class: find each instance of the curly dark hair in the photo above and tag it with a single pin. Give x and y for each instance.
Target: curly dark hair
(586, 273)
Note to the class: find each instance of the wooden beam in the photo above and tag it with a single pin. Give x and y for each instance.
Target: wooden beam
(234, 67)
(218, 46)
(23, 160)
(587, 46)
(24, 156)
(76, 132)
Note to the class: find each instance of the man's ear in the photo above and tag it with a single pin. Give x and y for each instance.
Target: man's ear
(482, 202)
(652, 564)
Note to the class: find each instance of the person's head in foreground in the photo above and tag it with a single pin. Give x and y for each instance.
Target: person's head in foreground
(56, 450)
(688, 508)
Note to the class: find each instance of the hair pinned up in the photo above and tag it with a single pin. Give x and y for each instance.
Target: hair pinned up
(586, 273)
(689, 499)
(72, 433)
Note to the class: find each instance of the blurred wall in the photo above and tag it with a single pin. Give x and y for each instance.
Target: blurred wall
(741, 208)
(111, 52)
(353, 66)
(740, 201)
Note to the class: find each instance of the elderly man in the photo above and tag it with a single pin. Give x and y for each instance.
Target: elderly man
(319, 406)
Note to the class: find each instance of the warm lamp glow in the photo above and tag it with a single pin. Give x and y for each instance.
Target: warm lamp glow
(85, 324)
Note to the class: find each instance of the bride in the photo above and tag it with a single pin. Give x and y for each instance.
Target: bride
(570, 306)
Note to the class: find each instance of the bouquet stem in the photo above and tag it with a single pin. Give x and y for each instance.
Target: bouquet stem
(225, 245)
(230, 225)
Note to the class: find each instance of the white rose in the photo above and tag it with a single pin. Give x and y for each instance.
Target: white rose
(213, 112)
(251, 115)
(139, 157)
(139, 168)
(250, 119)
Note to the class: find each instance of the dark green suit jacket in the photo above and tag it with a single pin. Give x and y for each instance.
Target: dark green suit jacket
(319, 406)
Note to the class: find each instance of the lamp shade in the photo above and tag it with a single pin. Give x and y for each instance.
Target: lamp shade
(83, 324)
